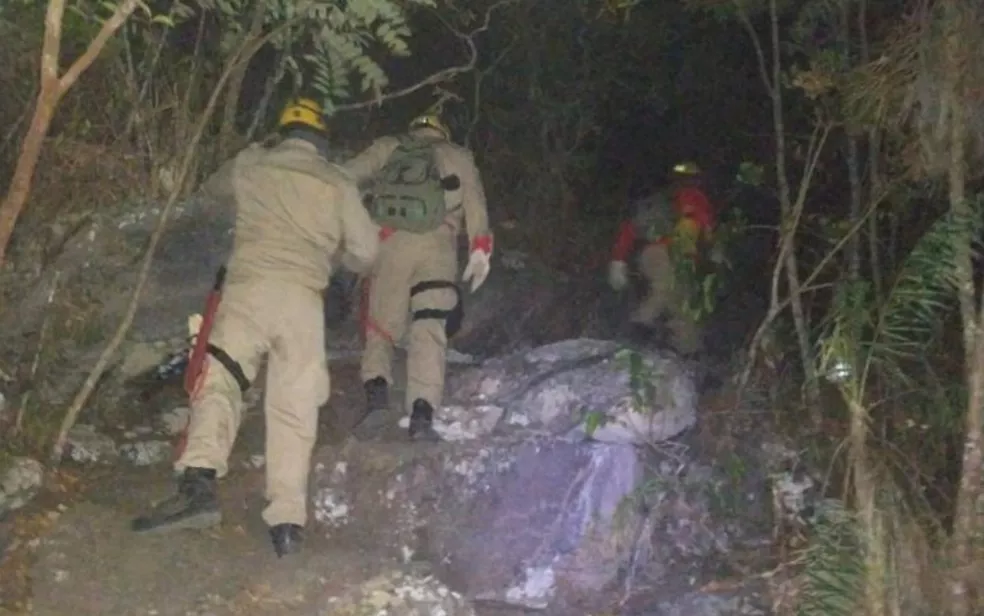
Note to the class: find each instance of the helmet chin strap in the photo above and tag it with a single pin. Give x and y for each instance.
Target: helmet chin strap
(317, 139)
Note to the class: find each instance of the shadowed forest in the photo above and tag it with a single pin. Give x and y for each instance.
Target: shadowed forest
(841, 139)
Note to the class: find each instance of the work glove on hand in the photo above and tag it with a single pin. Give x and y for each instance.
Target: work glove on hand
(717, 255)
(618, 275)
(479, 264)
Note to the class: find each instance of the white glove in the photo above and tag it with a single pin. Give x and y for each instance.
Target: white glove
(478, 269)
(618, 275)
(717, 255)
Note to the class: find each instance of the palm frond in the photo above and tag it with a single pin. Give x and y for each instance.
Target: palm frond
(922, 292)
(834, 574)
(864, 336)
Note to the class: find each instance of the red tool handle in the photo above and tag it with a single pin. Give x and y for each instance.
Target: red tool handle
(197, 359)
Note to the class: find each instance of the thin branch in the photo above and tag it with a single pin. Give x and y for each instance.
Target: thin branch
(807, 284)
(150, 69)
(268, 90)
(42, 335)
(477, 89)
(109, 28)
(51, 47)
(757, 44)
(442, 75)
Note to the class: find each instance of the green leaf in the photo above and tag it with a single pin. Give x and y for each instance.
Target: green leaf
(592, 421)
(164, 20)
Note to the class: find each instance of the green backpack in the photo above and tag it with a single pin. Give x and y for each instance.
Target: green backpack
(654, 216)
(408, 193)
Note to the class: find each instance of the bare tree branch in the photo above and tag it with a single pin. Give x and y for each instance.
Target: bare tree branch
(757, 44)
(51, 47)
(443, 75)
(109, 28)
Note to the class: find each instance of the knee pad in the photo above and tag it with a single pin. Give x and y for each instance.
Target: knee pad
(452, 318)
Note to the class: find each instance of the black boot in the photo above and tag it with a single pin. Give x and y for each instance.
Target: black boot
(422, 422)
(286, 538)
(377, 398)
(377, 394)
(195, 506)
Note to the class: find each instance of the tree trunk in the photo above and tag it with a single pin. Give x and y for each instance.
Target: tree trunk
(965, 522)
(20, 185)
(789, 221)
(965, 517)
(854, 178)
(853, 162)
(874, 169)
(53, 88)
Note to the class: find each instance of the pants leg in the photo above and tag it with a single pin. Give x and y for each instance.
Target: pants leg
(684, 330)
(657, 271)
(389, 299)
(297, 385)
(216, 409)
(427, 350)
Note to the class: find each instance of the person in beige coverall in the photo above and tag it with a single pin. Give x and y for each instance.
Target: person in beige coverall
(412, 287)
(295, 214)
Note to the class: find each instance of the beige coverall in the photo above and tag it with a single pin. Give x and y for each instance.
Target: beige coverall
(406, 259)
(665, 295)
(294, 213)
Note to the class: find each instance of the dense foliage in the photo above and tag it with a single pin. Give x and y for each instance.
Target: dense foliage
(859, 119)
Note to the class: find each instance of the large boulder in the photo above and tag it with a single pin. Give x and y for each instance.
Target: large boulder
(518, 504)
(572, 386)
(93, 273)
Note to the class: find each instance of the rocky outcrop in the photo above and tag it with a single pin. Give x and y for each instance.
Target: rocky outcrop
(20, 480)
(519, 505)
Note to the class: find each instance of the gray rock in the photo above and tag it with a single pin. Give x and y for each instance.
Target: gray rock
(196, 243)
(512, 519)
(531, 521)
(707, 604)
(147, 453)
(138, 358)
(20, 483)
(556, 387)
(87, 446)
(400, 594)
(516, 505)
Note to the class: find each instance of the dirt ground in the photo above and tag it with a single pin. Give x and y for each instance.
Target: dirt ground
(79, 556)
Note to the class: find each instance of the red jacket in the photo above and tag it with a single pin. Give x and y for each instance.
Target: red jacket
(688, 202)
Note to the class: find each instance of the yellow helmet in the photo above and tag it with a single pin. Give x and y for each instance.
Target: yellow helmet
(303, 111)
(431, 121)
(686, 168)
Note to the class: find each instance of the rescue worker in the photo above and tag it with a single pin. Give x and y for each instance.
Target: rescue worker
(665, 227)
(423, 188)
(295, 214)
